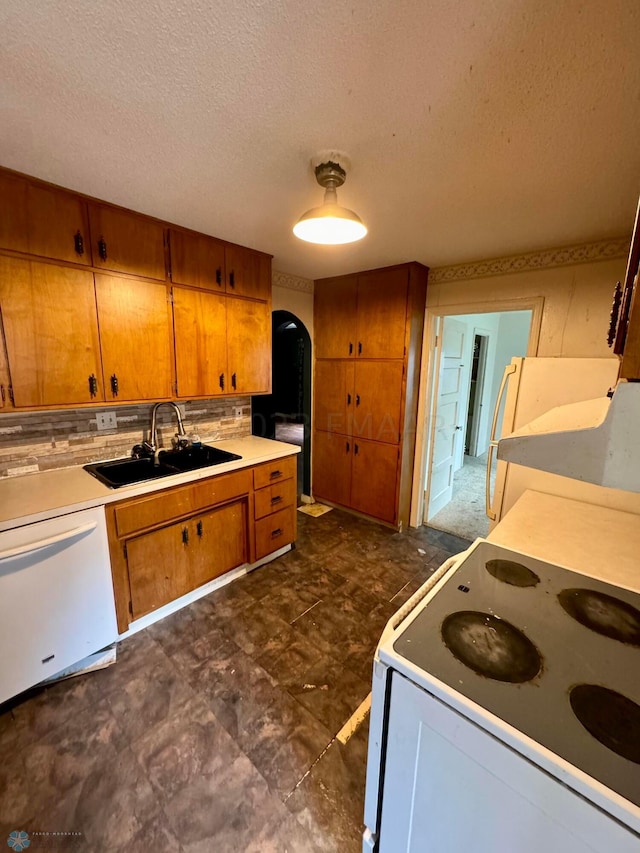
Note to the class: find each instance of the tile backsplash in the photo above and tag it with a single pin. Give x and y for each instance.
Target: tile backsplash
(40, 441)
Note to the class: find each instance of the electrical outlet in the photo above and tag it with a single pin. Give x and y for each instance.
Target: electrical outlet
(237, 412)
(106, 420)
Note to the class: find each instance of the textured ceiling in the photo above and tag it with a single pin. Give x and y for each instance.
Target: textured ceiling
(476, 128)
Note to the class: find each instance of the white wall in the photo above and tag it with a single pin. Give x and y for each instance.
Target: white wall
(513, 335)
(577, 301)
(293, 294)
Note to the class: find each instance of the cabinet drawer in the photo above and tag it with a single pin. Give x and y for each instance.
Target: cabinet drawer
(274, 498)
(279, 469)
(274, 531)
(159, 508)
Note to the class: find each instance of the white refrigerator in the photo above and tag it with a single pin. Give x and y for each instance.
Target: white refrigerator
(530, 387)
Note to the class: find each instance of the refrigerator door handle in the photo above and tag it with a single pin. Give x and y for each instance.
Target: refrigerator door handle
(509, 370)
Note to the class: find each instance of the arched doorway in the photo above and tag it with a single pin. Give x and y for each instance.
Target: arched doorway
(285, 414)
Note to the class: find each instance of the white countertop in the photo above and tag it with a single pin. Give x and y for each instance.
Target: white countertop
(47, 494)
(596, 541)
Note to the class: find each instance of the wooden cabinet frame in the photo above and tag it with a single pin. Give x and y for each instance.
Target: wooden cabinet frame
(62, 231)
(166, 511)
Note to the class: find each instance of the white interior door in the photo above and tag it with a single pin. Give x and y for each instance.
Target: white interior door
(449, 416)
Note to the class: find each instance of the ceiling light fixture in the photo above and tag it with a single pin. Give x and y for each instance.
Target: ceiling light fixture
(330, 224)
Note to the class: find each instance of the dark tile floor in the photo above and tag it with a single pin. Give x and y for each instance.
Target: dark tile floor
(215, 730)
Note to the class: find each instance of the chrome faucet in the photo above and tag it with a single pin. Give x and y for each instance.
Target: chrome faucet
(150, 447)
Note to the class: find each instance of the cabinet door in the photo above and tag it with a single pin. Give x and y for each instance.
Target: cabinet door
(334, 396)
(159, 567)
(200, 330)
(13, 213)
(197, 260)
(126, 242)
(248, 346)
(378, 400)
(135, 338)
(58, 224)
(51, 333)
(382, 312)
(5, 376)
(248, 273)
(218, 543)
(332, 467)
(373, 484)
(42, 220)
(334, 313)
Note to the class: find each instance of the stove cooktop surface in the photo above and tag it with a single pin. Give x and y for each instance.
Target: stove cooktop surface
(552, 652)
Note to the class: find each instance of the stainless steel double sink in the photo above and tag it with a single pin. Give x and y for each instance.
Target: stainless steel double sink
(125, 472)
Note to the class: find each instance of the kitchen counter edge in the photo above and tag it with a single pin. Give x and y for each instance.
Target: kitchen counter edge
(49, 494)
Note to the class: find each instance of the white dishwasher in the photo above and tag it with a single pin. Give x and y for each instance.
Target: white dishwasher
(56, 597)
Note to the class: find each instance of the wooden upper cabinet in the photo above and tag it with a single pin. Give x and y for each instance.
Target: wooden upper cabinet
(51, 332)
(14, 232)
(334, 311)
(135, 338)
(42, 220)
(197, 260)
(123, 241)
(382, 313)
(248, 346)
(248, 273)
(200, 326)
(5, 377)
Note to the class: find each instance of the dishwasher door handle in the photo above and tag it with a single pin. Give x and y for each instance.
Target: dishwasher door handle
(39, 544)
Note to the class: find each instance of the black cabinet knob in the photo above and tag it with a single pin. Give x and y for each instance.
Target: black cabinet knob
(102, 248)
(78, 243)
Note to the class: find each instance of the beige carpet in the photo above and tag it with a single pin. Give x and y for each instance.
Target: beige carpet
(465, 515)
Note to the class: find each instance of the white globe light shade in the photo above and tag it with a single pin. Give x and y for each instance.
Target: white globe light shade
(330, 225)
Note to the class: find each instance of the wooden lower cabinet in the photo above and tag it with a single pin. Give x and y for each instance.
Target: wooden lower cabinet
(219, 539)
(356, 473)
(168, 543)
(374, 472)
(168, 563)
(332, 467)
(158, 565)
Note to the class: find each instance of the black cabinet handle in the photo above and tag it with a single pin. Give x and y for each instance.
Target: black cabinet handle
(348, 446)
(93, 385)
(274, 474)
(219, 275)
(114, 384)
(357, 399)
(350, 348)
(221, 381)
(232, 279)
(78, 243)
(233, 381)
(102, 248)
(355, 449)
(199, 528)
(359, 347)
(2, 393)
(185, 535)
(276, 500)
(277, 532)
(348, 399)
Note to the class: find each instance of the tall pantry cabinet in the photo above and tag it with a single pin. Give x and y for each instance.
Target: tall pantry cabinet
(368, 345)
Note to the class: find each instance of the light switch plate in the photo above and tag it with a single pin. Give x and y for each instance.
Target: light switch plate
(106, 420)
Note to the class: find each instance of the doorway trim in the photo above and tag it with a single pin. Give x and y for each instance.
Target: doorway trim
(429, 373)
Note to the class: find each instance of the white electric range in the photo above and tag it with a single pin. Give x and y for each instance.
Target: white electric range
(506, 708)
